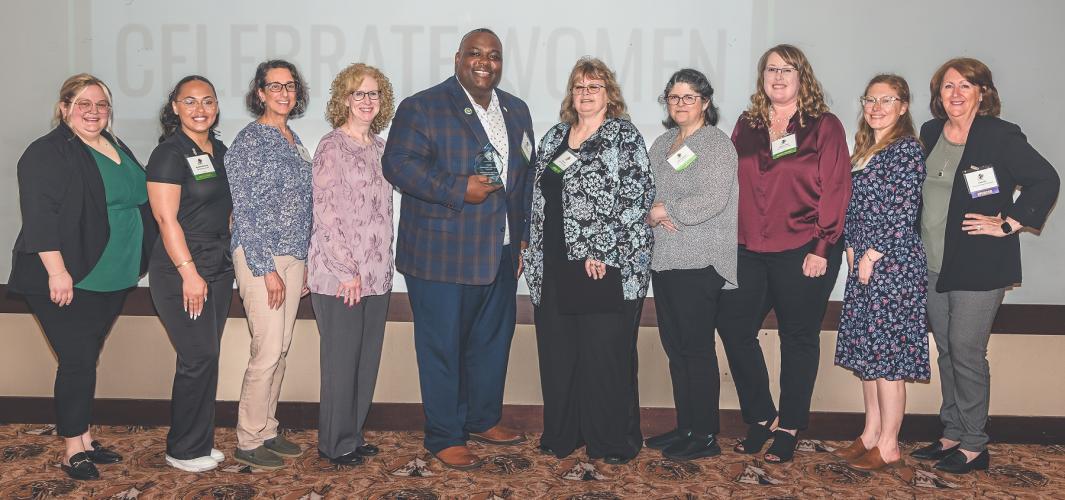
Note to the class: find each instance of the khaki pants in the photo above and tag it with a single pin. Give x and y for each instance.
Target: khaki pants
(271, 335)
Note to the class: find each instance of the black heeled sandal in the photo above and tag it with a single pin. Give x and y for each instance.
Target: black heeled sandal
(757, 435)
(783, 447)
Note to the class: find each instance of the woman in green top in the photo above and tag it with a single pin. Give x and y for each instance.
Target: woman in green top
(85, 224)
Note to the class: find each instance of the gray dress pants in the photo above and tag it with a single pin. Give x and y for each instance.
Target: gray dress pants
(961, 324)
(351, 340)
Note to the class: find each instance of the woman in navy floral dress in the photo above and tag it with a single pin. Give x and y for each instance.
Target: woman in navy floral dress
(883, 334)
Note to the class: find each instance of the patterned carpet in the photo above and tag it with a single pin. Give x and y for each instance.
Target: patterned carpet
(30, 453)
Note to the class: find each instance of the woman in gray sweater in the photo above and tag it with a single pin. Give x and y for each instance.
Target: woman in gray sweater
(694, 220)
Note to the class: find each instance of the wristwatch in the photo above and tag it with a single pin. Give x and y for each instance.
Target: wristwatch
(1006, 227)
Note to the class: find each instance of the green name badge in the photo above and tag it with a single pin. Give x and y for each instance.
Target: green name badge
(784, 146)
(562, 162)
(202, 167)
(682, 159)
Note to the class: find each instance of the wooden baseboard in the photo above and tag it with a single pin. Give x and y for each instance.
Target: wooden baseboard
(529, 418)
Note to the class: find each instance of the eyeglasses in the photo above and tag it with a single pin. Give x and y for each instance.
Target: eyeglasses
(785, 71)
(192, 102)
(85, 106)
(587, 89)
(884, 102)
(359, 95)
(276, 87)
(688, 99)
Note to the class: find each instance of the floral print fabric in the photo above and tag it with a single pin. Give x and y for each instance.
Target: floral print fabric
(352, 234)
(606, 196)
(883, 332)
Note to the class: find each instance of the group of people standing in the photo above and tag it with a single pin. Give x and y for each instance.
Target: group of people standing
(725, 229)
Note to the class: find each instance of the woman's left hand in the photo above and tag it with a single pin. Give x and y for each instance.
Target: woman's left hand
(596, 270)
(987, 225)
(306, 290)
(659, 215)
(814, 266)
(865, 270)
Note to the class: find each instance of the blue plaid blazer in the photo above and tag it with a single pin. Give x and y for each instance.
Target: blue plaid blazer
(432, 145)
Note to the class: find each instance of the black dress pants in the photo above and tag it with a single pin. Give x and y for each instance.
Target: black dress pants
(686, 301)
(197, 343)
(588, 377)
(76, 333)
(774, 280)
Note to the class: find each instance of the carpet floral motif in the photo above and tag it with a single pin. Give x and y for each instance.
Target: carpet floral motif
(30, 454)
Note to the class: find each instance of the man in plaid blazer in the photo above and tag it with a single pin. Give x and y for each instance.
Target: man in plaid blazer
(459, 241)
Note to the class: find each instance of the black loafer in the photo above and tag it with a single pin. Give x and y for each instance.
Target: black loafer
(934, 451)
(956, 463)
(544, 450)
(692, 448)
(101, 455)
(367, 450)
(81, 467)
(616, 459)
(661, 441)
(350, 459)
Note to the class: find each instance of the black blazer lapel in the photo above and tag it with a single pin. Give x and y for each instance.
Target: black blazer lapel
(94, 182)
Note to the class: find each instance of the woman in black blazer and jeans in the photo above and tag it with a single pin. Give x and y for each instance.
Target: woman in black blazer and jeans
(85, 232)
(969, 225)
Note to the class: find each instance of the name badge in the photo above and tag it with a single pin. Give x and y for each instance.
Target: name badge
(682, 159)
(201, 166)
(306, 155)
(562, 162)
(526, 147)
(784, 146)
(981, 181)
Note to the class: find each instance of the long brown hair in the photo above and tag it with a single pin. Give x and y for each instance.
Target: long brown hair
(977, 73)
(865, 143)
(592, 68)
(811, 97)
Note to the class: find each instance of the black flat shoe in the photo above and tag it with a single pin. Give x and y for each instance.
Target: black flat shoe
(81, 467)
(692, 448)
(956, 463)
(100, 455)
(544, 450)
(757, 435)
(661, 441)
(367, 450)
(350, 459)
(934, 451)
(783, 447)
(616, 459)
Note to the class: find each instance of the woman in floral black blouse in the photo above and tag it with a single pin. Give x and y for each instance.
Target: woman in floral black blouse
(588, 267)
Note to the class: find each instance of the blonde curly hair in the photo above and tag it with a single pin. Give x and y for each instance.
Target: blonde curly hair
(811, 97)
(347, 81)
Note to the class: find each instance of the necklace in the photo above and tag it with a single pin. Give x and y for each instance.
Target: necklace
(780, 123)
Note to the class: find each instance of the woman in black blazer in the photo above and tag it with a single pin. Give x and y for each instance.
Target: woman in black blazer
(969, 225)
(85, 228)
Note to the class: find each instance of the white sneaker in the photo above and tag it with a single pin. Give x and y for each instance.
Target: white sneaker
(198, 464)
(217, 455)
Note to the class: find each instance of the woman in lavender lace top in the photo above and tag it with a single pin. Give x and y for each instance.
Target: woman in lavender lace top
(350, 262)
(270, 179)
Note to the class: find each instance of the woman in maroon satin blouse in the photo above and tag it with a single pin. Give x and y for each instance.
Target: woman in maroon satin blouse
(795, 183)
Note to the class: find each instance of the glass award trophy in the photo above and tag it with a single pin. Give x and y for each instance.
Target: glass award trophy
(486, 164)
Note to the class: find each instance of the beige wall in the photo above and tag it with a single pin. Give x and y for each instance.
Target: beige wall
(138, 363)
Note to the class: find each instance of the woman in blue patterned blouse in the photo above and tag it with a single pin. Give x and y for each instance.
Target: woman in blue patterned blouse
(270, 178)
(883, 334)
(588, 267)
